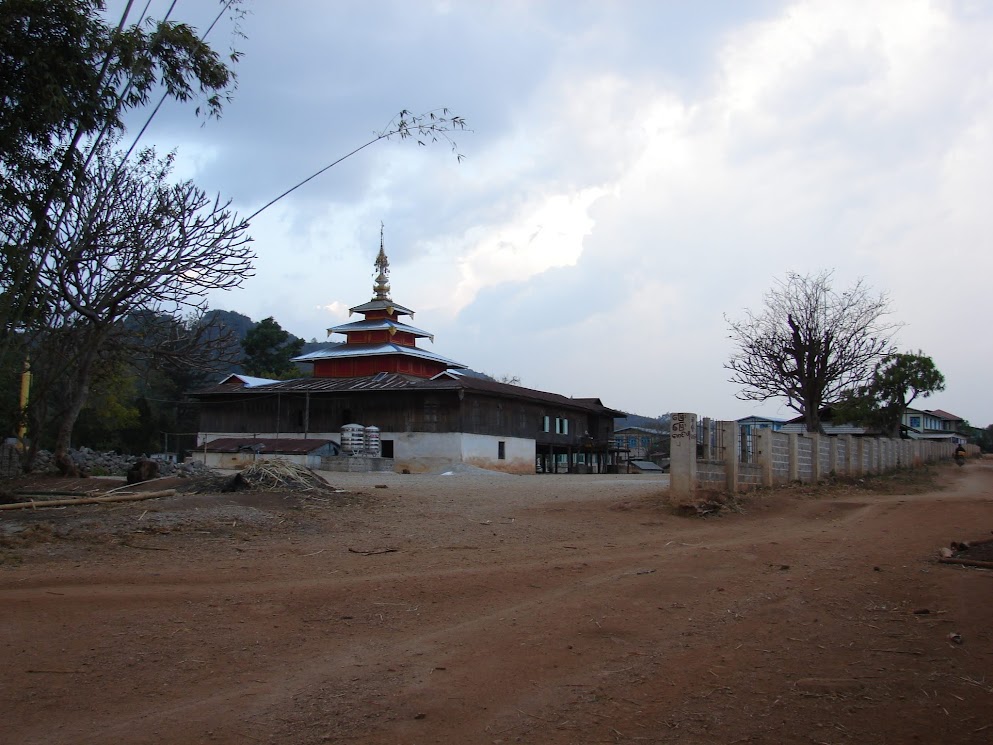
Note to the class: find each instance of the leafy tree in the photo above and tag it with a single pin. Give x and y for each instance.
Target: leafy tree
(809, 344)
(111, 409)
(984, 438)
(269, 351)
(896, 382)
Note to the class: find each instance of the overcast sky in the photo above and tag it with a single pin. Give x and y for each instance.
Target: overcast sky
(635, 172)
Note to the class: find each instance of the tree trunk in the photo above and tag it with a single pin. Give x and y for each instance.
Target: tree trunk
(81, 390)
(812, 416)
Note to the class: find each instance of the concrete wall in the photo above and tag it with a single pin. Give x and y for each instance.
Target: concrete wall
(482, 451)
(355, 464)
(415, 452)
(426, 452)
(711, 474)
(244, 460)
(781, 457)
(204, 437)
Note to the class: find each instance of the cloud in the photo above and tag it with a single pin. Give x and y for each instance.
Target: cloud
(635, 172)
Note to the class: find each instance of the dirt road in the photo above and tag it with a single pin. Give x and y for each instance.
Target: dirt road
(499, 609)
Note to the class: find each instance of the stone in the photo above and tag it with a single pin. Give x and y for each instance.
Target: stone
(144, 470)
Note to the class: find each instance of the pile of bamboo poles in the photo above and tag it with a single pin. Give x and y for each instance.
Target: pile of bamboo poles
(281, 475)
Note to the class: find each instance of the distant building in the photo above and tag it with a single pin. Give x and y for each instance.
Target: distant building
(830, 427)
(934, 425)
(916, 425)
(429, 411)
(637, 443)
(751, 423)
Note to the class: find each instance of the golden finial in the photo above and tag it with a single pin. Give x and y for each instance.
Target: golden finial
(382, 286)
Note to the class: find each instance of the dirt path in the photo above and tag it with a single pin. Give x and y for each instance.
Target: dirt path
(498, 609)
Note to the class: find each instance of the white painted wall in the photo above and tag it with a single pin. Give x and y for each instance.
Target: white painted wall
(417, 452)
(482, 450)
(426, 452)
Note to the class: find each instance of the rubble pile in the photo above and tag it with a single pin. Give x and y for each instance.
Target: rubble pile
(95, 463)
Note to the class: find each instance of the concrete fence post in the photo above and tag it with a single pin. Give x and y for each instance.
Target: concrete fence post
(833, 455)
(729, 436)
(682, 455)
(815, 457)
(794, 455)
(849, 464)
(762, 447)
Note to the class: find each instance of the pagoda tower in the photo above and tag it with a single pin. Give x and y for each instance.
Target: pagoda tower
(380, 343)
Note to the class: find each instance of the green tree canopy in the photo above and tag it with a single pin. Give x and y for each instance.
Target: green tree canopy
(269, 350)
(896, 382)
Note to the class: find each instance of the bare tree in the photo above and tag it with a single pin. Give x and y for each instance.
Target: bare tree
(135, 248)
(68, 78)
(809, 344)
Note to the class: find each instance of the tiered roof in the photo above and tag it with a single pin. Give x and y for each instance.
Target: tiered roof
(380, 343)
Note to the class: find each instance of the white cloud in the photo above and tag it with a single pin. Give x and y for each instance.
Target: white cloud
(611, 212)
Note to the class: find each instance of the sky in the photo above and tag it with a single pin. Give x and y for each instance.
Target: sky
(635, 174)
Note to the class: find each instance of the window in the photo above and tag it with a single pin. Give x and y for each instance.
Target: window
(561, 426)
(915, 422)
(545, 424)
(501, 450)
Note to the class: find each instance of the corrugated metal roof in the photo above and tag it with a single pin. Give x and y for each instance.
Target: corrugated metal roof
(516, 391)
(392, 381)
(640, 430)
(829, 429)
(318, 353)
(945, 415)
(379, 304)
(248, 380)
(374, 350)
(380, 324)
(398, 382)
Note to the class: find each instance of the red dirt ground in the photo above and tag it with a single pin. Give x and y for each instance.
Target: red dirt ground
(500, 609)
